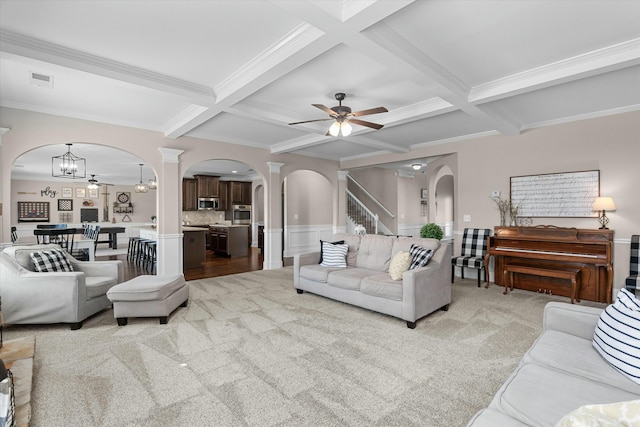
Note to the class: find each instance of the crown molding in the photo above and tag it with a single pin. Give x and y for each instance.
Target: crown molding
(29, 47)
(610, 58)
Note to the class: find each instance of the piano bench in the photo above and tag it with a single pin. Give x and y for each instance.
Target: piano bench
(572, 274)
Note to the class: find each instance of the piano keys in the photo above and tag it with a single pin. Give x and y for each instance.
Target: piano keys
(554, 248)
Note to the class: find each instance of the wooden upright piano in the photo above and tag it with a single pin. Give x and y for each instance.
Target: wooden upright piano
(585, 251)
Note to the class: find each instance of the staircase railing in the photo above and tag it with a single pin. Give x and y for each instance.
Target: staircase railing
(360, 214)
(372, 197)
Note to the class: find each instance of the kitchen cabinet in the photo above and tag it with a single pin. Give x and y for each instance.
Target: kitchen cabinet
(207, 185)
(223, 196)
(230, 241)
(193, 246)
(189, 194)
(240, 192)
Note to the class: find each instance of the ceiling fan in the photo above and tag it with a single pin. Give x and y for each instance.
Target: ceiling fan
(94, 184)
(343, 117)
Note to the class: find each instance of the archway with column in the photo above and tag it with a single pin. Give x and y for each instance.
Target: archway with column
(441, 186)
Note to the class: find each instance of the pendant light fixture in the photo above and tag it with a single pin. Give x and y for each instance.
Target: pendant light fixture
(153, 184)
(141, 187)
(68, 165)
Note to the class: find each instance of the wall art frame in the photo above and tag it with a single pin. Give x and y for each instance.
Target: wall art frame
(65, 205)
(556, 195)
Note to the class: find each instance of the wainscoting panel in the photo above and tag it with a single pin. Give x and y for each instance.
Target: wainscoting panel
(299, 239)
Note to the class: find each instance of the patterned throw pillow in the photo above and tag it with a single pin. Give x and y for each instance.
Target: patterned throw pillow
(611, 414)
(322, 242)
(50, 261)
(616, 336)
(334, 255)
(399, 264)
(419, 256)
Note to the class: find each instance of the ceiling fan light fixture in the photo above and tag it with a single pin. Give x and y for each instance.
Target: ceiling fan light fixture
(345, 128)
(141, 187)
(334, 130)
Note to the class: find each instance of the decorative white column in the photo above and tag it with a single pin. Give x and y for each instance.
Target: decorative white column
(5, 184)
(273, 219)
(169, 216)
(340, 204)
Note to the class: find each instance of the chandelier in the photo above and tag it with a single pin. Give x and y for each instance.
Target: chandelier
(141, 187)
(68, 165)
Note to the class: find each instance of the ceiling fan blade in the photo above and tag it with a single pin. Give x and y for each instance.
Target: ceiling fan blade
(365, 123)
(369, 111)
(326, 109)
(309, 121)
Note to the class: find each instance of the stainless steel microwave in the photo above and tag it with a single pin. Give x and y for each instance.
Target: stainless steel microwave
(208, 203)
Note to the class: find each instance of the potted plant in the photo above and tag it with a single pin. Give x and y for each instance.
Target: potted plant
(431, 230)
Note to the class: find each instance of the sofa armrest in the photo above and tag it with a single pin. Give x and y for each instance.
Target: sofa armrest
(303, 259)
(43, 297)
(427, 288)
(113, 269)
(571, 318)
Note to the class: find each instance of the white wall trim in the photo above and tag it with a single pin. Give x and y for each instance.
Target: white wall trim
(301, 239)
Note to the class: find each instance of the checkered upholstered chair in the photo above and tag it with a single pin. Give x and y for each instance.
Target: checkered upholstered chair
(474, 248)
(633, 281)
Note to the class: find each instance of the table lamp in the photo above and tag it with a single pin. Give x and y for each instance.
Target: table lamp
(603, 204)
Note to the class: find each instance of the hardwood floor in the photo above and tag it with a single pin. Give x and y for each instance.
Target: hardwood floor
(213, 266)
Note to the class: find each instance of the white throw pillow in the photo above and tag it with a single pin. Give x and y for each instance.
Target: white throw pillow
(620, 414)
(617, 335)
(334, 255)
(399, 264)
(50, 261)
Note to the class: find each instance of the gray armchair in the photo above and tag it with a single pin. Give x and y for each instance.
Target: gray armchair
(31, 297)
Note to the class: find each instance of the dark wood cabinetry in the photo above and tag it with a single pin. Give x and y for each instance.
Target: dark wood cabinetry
(189, 194)
(223, 195)
(240, 192)
(229, 241)
(207, 185)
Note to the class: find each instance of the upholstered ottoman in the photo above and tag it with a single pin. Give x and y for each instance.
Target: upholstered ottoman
(148, 296)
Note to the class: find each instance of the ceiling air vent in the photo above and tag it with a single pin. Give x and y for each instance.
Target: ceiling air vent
(40, 79)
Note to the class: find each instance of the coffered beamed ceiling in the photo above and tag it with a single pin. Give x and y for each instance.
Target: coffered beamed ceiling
(445, 70)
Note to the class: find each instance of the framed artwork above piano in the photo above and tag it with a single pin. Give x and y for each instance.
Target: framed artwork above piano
(553, 248)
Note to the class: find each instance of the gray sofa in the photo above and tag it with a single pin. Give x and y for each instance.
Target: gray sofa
(559, 373)
(30, 297)
(366, 282)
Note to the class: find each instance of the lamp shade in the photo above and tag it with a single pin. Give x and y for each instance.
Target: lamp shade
(604, 204)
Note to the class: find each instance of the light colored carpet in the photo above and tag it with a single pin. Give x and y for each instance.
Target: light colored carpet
(249, 351)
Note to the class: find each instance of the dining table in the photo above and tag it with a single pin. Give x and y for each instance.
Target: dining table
(66, 237)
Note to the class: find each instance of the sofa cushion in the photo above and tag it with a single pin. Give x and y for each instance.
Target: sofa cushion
(375, 252)
(491, 418)
(540, 396)
(334, 255)
(404, 244)
(419, 256)
(399, 264)
(316, 272)
(349, 278)
(22, 254)
(617, 335)
(98, 286)
(354, 246)
(383, 286)
(576, 355)
(50, 261)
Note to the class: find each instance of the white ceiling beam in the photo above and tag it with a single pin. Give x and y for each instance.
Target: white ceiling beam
(599, 61)
(28, 47)
(298, 143)
(188, 119)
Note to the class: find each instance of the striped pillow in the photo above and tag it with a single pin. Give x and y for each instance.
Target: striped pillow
(419, 256)
(334, 255)
(617, 335)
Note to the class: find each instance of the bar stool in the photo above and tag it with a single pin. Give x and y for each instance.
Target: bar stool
(133, 247)
(151, 256)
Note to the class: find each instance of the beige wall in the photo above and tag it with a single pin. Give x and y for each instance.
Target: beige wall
(309, 199)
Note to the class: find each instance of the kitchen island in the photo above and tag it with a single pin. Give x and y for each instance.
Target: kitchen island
(230, 240)
(193, 244)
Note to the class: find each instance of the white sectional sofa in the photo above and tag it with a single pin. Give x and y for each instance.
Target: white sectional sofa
(560, 373)
(366, 282)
